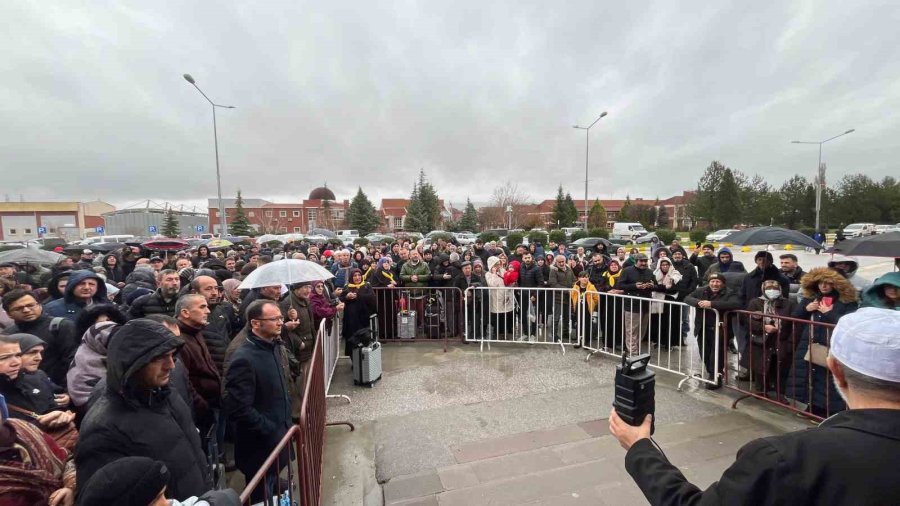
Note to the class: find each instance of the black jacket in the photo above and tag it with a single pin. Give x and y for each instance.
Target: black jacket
(60, 348)
(128, 421)
(850, 459)
(751, 287)
(257, 401)
(702, 263)
(531, 277)
(223, 325)
(725, 299)
(628, 281)
(29, 391)
(689, 280)
(152, 303)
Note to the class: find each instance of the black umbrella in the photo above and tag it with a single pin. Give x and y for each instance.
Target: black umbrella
(100, 247)
(770, 235)
(883, 245)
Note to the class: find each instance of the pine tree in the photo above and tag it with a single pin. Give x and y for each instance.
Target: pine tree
(414, 221)
(469, 220)
(570, 211)
(171, 228)
(239, 225)
(727, 205)
(662, 215)
(431, 205)
(597, 215)
(362, 215)
(625, 211)
(559, 218)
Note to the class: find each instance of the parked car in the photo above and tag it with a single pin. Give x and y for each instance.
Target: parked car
(719, 235)
(627, 231)
(570, 230)
(466, 238)
(588, 244)
(893, 228)
(859, 229)
(646, 238)
(883, 229)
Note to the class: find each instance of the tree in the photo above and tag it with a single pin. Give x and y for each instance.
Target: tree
(239, 225)
(643, 214)
(662, 215)
(469, 220)
(362, 215)
(597, 215)
(727, 208)
(431, 205)
(702, 207)
(509, 195)
(571, 212)
(794, 202)
(171, 228)
(559, 209)
(625, 210)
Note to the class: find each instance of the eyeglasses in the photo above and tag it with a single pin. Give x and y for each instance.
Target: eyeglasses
(19, 309)
(272, 319)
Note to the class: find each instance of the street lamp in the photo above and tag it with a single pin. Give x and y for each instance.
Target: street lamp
(587, 147)
(222, 221)
(820, 172)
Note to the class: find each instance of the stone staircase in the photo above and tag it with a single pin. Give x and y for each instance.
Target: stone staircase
(573, 464)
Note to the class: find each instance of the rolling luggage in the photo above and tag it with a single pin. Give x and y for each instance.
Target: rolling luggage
(367, 364)
(433, 319)
(406, 324)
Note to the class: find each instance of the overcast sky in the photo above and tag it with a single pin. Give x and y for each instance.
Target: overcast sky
(93, 104)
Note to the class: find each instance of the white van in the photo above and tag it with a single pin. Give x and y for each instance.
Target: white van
(859, 229)
(103, 239)
(627, 231)
(347, 236)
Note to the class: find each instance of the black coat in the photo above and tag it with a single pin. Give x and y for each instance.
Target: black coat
(29, 391)
(531, 277)
(152, 303)
(60, 348)
(702, 263)
(689, 280)
(850, 459)
(128, 421)
(724, 300)
(358, 310)
(751, 286)
(628, 281)
(257, 401)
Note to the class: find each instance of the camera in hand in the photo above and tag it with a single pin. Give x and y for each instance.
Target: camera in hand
(635, 390)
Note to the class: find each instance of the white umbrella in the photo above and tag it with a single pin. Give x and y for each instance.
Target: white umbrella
(285, 272)
(30, 256)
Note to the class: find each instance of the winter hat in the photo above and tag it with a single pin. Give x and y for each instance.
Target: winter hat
(454, 257)
(27, 341)
(724, 250)
(129, 481)
(477, 263)
(491, 262)
(868, 341)
(135, 294)
(382, 261)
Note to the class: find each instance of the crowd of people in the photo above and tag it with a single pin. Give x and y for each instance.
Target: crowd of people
(162, 357)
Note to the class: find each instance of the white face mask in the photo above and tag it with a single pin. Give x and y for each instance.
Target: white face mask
(773, 294)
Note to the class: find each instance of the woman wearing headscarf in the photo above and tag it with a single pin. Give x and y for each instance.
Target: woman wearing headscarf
(359, 304)
(323, 307)
(611, 307)
(665, 319)
(501, 299)
(114, 274)
(383, 281)
(770, 352)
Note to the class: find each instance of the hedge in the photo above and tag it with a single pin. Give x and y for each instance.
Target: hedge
(360, 241)
(514, 239)
(579, 234)
(557, 236)
(699, 235)
(487, 237)
(666, 236)
(598, 232)
(537, 237)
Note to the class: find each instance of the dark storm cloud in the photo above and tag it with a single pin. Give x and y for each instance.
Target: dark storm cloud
(476, 93)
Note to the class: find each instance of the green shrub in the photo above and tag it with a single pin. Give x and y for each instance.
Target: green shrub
(360, 241)
(665, 235)
(446, 236)
(598, 232)
(274, 243)
(557, 236)
(514, 239)
(537, 236)
(807, 231)
(487, 237)
(698, 235)
(579, 234)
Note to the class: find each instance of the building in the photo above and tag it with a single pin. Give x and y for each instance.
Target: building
(393, 214)
(320, 210)
(137, 221)
(67, 220)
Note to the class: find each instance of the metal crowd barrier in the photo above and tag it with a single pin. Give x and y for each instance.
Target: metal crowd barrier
(293, 471)
(783, 359)
(332, 345)
(513, 314)
(617, 323)
(419, 314)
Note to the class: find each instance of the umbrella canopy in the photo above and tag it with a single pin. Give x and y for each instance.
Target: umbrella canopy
(268, 237)
(100, 247)
(285, 272)
(770, 235)
(219, 243)
(883, 245)
(30, 256)
(322, 231)
(166, 245)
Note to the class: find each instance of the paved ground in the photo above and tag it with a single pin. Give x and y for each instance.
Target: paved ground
(430, 404)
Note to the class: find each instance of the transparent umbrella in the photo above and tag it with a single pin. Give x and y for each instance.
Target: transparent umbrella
(30, 255)
(285, 272)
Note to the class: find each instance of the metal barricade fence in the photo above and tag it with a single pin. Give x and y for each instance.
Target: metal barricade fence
(332, 344)
(293, 471)
(515, 314)
(419, 314)
(783, 362)
(618, 323)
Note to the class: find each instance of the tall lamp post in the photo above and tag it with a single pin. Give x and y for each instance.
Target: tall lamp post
(223, 225)
(820, 171)
(587, 149)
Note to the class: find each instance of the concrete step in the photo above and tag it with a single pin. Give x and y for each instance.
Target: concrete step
(573, 464)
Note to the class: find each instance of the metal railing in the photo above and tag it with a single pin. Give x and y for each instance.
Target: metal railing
(419, 314)
(666, 329)
(293, 471)
(783, 362)
(332, 346)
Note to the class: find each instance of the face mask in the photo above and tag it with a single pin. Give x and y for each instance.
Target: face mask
(773, 294)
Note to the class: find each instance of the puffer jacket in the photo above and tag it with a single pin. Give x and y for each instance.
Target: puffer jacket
(202, 371)
(501, 298)
(68, 307)
(89, 364)
(128, 420)
(152, 303)
(138, 278)
(561, 278)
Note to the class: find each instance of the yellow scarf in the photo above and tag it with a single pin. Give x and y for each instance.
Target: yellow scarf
(357, 285)
(612, 277)
(387, 274)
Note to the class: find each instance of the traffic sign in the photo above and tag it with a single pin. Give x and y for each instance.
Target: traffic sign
(42, 230)
(99, 230)
(200, 228)
(152, 229)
